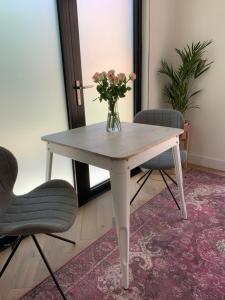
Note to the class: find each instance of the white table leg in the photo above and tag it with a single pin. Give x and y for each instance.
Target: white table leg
(179, 176)
(49, 164)
(121, 202)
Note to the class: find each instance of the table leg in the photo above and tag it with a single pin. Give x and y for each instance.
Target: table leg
(121, 203)
(179, 176)
(49, 164)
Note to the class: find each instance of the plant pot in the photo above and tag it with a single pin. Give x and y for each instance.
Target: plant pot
(187, 129)
(185, 138)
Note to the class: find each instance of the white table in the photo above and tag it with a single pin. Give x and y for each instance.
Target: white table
(118, 153)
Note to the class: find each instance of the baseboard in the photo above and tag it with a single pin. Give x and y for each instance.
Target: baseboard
(206, 161)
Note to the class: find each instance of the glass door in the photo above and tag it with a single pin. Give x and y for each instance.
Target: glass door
(106, 42)
(32, 96)
(95, 35)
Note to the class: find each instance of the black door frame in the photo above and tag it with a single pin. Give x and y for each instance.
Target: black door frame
(69, 37)
(137, 56)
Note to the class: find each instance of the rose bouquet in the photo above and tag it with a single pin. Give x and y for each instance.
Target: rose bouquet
(111, 88)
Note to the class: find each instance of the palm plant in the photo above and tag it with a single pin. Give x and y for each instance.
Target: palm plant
(179, 89)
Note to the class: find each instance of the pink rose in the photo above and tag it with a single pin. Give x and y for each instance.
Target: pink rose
(111, 76)
(102, 75)
(111, 72)
(132, 76)
(121, 77)
(96, 77)
(116, 80)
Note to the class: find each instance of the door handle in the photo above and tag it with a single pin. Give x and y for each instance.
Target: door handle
(81, 87)
(78, 87)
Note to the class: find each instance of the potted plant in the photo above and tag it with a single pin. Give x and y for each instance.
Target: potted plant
(179, 90)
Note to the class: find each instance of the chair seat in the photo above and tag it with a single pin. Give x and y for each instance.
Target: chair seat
(49, 208)
(163, 161)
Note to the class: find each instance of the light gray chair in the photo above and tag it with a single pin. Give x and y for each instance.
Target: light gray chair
(48, 209)
(164, 161)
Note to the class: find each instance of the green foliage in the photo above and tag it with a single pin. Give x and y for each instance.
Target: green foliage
(178, 90)
(108, 90)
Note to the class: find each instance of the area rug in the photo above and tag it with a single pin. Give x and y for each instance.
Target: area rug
(170, 258)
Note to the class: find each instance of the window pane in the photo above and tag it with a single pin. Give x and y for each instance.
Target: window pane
(106, 43)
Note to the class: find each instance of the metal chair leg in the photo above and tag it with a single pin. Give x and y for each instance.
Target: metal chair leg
(141, 186)
(48, 266)
(169, 188)
(11, 255)
(14, 242)
(61, 238)
(143, 176)
(171, 178)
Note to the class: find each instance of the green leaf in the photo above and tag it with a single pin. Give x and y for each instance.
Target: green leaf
(195, 93)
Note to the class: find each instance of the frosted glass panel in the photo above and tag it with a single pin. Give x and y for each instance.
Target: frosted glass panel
(32, 100)
(106, 43)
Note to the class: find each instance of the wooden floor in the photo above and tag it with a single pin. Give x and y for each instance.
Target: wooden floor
(93, 219)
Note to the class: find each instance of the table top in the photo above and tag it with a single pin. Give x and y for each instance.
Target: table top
(133, 139)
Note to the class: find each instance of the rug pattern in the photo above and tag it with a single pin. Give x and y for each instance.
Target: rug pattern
(170, 258)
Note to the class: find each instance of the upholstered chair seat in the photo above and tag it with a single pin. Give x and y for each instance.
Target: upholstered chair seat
(49, 208)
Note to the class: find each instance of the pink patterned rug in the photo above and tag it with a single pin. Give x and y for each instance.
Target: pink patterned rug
(170, 258)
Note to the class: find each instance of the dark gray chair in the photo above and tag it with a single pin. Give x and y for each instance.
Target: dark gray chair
(48, 209)
(164, 161)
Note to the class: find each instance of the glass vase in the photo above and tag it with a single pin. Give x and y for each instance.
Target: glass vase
(113, 120)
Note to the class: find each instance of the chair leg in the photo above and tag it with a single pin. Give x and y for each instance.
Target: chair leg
(143, 176)
(149, 173)
(61, 238)
(48, 266)
(161, 173)
(11, 255)
(171, 178)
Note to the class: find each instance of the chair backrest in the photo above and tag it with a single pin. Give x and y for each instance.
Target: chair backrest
(160, 117)
(8, 172)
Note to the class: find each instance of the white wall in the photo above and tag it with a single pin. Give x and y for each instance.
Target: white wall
(161, 32)
(204, 20)
(32, 100)
(174, 24)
